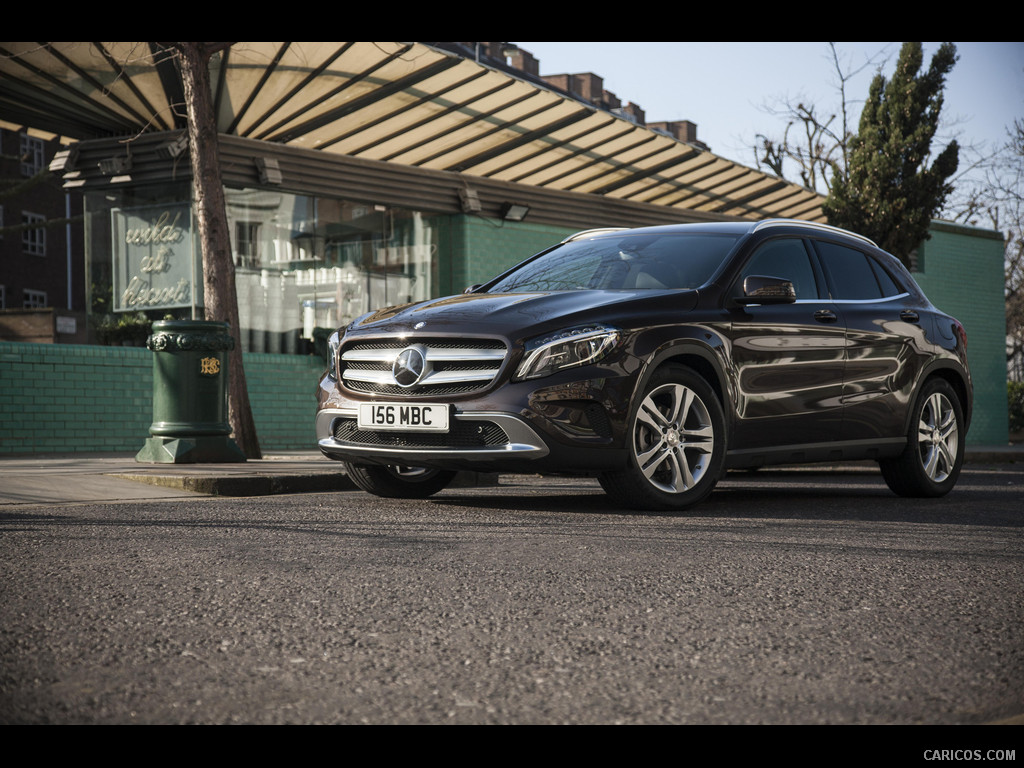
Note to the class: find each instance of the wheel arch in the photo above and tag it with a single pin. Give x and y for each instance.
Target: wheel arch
(956, 378)
(702, 359)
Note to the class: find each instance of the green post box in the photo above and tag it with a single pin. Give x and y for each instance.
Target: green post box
(190, 394)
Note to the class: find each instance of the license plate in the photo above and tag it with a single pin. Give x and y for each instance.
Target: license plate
(404, 417)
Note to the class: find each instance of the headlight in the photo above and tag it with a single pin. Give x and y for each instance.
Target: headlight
(566, 349)
(332, 354)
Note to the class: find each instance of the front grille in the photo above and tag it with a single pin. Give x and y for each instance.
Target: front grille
(450, 366)
(463, 434)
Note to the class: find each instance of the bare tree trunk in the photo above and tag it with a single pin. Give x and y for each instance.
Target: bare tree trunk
(220, 299)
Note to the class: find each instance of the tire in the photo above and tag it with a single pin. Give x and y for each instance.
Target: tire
(676, 444)
(399, 482)
(930, 464)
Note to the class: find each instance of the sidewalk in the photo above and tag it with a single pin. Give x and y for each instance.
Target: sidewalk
(64, 478)
(69, 478)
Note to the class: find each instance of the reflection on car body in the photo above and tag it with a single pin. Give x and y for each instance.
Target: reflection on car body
(655, 359)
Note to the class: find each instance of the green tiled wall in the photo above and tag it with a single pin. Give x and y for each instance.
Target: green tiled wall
(482, 248)
(67, 397)
(961, 271)
(57, 398)
(282, 393)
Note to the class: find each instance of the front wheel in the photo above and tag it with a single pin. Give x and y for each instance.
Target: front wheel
(398, 482)
(930, 464)
(676, 445)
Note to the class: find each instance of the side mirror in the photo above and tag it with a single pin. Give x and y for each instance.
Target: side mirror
(761, 289)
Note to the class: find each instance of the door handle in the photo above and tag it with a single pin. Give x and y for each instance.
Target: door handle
(825, 316)
(910, 316)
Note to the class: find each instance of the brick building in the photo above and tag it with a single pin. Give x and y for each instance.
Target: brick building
(41, 254)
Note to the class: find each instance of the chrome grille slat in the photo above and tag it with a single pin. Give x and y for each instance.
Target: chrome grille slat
(460, 355)
(437, 377)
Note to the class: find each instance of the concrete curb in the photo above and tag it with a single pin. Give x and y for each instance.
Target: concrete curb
(246, 485)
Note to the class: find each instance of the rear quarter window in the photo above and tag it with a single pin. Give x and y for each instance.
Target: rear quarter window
(854, 275)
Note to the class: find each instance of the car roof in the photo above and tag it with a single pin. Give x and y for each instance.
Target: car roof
(723, 227)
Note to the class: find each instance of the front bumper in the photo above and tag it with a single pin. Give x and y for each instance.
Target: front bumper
(477, 438)
(566, 425)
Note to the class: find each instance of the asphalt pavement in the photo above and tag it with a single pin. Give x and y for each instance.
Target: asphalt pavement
(90, 477)
(792, 597)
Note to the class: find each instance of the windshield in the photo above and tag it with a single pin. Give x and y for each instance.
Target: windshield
(626, 262)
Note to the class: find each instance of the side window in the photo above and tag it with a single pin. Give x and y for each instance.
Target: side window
(787, 259)
(888, 285)
(855, 275)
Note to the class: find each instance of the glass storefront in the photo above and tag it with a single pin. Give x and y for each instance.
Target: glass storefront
(304, 265)
(307, 262)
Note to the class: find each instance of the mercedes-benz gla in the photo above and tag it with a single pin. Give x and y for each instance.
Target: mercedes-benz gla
(655, 359)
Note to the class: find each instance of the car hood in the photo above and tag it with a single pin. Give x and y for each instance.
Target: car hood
(519, 315)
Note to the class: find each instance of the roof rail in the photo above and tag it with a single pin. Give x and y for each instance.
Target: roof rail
(589, 232)
(811, 225)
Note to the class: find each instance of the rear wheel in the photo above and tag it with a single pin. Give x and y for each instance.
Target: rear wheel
(930, 464)
(399, 482)
(676, 444)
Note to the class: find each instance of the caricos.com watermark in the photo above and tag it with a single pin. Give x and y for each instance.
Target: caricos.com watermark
(970, 754)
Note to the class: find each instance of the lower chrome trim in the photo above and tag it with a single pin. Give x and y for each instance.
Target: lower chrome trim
(523, 442)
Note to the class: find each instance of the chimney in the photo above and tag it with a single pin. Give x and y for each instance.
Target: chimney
(584, 85)
(635, 112)
(525, 61)
(681, 130)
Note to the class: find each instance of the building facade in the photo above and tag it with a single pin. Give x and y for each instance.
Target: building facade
(316, 243)
(42, 278)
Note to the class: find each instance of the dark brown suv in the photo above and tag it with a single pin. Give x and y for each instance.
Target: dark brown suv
(656, 359)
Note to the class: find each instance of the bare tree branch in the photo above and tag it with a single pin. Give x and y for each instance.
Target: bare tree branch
(822, 146)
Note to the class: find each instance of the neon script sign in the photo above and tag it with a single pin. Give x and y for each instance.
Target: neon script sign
(153, 257)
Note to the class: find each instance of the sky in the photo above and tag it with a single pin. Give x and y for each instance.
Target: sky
(725, 87)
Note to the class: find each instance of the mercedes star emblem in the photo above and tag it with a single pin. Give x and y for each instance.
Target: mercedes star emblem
(409, 366)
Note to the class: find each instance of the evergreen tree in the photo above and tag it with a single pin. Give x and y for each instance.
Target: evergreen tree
(887, 192)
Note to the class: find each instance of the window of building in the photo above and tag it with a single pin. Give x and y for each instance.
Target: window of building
(247, 244)
(33, 240)
(33, 154)
(305, 262)
(34, 299)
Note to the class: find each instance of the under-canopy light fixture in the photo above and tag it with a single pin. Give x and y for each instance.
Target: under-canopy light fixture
(113, 166)
(64, 160)
(469, 200)
(514, 211)
(174, 148)
(269, 171)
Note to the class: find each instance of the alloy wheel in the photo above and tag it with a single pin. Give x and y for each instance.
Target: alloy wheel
(673, 438)
(938, 437)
